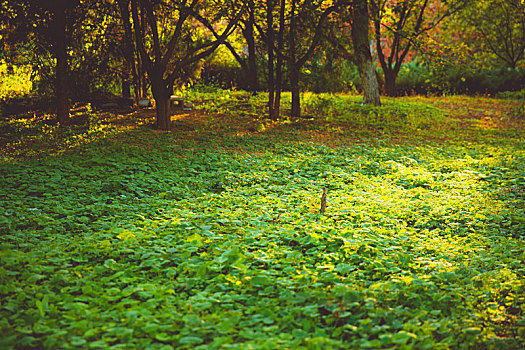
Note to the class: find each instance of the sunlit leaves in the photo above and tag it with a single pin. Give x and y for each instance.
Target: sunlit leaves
(197, 244)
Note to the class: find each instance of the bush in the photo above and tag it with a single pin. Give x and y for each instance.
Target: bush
(223, 74)
(417, 78)
(15, 81)
(394, 114)
(486, 81)
(511, 95)
(414, 78)
(333, 75)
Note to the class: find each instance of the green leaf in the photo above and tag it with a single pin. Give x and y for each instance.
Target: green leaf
(190, 340)
(472, 330)
(260, 281)
(163, 337)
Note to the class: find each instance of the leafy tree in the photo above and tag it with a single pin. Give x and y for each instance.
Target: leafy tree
(501, 28)
(48, 25)
(349, 36)
(302, 34)
(397, 26)
(362, 55)
(98, 55)
(275, 64)
(296, 41)
(132, 66)
(249, 64)
(247, 60)
(171, 44)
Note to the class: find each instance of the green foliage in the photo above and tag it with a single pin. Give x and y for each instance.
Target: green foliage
(393, 116)
(499, 30)
(511, 95)
(414, 78)
(489, 81)
(417, 78)
(329, 74)
(162, 240)
(33, 136)
(14, 81)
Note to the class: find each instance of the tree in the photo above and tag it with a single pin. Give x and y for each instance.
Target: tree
(247, 62)
(501, 25)
(274, 44)
(129, 54)
(362, 55)
(270, 42)
(301, 19)
(58, 34)
(49, 24)
(353, 22)
(128, 51)
(171, 45)
(248, 31)
(296, 45)
(397, 26)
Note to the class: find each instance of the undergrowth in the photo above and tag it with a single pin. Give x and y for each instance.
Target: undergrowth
(199, 239)
(14, 80)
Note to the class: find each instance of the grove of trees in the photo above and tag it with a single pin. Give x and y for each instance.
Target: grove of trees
(137, 47)
(338, 174)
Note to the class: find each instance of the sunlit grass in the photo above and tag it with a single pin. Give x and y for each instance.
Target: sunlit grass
(37, 136)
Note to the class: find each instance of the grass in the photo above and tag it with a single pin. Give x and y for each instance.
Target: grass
(119, 236)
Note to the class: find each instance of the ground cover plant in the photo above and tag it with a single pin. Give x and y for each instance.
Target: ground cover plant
(115, 235)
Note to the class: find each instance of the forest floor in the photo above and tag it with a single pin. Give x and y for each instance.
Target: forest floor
(117, 235)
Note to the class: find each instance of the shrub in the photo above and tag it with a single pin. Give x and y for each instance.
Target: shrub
(14, 81)
(416, 78)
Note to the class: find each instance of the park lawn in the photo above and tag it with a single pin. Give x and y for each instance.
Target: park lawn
(114, 235)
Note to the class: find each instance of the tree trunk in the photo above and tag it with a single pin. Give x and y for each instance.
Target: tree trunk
(161, 95)
(126, 86)
(390, 82)
(61, 82)
(363, 57)
(369, 85)
(250, 40)
(294, 86)
(269, 45)
(128, 50)
(279, 63)
(163, 114)
(293, 66)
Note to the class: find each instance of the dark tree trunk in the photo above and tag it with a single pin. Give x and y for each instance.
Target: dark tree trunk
(293, 65)
(61, 82)
(250, 40)
(279, 63)
(126, 87)
(128, 50)
(141, 83)
(159, 61)
(269, 45)
(294, 86)
(390, 82)
(161, 94)
(162, 114)
(363, 57)
(399, 48)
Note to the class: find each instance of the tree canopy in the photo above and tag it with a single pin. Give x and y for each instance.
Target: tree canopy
(157, 47)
